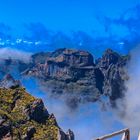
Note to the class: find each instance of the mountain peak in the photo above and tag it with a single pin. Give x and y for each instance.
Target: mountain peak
(9, 82)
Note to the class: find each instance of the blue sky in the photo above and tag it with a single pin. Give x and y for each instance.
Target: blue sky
(67, 16)
(63, 15)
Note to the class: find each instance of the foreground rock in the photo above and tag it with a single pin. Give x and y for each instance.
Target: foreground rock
(23, 117)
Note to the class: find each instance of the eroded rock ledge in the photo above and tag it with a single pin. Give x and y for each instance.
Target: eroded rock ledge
(77, 74)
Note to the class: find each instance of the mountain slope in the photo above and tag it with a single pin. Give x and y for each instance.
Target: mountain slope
(24, 117)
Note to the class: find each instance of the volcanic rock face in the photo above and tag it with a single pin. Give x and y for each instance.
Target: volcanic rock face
(61, 63)
(68, 72)
(74, 73)
(113, 67)
(23, 117)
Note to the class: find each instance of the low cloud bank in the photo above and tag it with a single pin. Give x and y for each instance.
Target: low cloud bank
(9, 53)
(131, 103)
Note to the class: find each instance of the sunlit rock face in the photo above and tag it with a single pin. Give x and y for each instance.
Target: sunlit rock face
(68, 72)
(24, 117)
(75, 73)
(58, 63)
(109, 57)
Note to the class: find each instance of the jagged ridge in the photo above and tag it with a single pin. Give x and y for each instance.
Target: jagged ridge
(24, 117)
(76, 73)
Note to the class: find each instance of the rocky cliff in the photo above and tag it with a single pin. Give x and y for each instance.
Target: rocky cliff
(74, 75)
(77, 74)
(23, 117)
(113, 67)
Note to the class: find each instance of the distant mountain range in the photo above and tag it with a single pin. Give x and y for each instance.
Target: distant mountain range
(74, 74)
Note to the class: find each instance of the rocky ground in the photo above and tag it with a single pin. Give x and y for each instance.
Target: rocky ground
(23, 117)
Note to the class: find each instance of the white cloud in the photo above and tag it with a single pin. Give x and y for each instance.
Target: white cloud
(6, 53)
(131, 103)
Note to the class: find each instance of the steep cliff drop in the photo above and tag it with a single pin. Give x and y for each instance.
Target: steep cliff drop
(77, 75)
